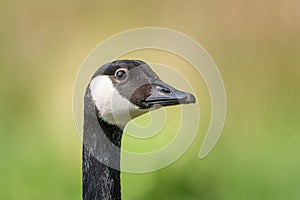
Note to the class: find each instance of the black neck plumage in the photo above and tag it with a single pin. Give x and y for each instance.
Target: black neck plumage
(99, 180)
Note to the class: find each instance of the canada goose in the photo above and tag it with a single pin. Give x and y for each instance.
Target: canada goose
(118, 91)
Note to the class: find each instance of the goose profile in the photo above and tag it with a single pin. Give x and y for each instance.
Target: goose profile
(118, 92)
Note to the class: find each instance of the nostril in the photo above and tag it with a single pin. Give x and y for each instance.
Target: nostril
(165, 90)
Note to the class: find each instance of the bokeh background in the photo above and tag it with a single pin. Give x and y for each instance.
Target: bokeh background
(255, 45)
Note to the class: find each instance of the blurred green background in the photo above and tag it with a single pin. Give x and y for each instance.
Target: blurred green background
(255, 45)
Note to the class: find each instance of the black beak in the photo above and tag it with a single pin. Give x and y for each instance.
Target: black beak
(163, 94)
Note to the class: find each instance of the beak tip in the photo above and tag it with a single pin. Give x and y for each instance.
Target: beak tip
(190, 98)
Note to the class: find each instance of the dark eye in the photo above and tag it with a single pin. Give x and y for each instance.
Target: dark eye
(121, 74)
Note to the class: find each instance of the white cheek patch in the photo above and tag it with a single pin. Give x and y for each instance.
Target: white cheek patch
(113, 108)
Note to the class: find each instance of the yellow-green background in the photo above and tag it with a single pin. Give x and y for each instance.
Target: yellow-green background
(255, 45)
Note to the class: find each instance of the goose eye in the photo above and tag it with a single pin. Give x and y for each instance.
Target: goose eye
(121, 74)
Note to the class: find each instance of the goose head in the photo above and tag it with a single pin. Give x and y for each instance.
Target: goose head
(124, 89)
